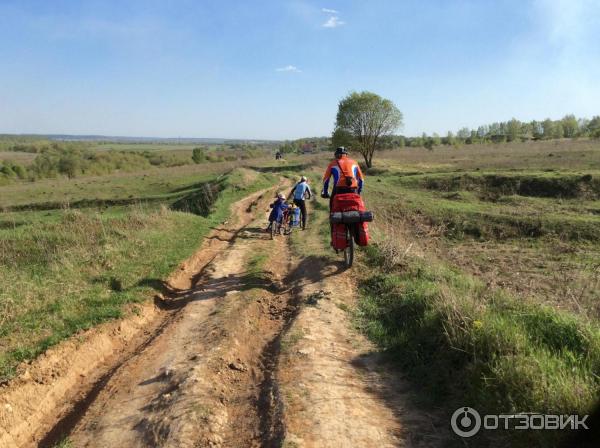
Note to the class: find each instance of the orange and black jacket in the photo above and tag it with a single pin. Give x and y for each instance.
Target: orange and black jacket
(340, 169)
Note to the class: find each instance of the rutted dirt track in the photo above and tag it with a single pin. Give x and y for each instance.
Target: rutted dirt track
(231, 355)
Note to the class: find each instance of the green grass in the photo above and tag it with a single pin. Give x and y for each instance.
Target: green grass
(467, 345)
(64, 443)
(80, 268)
(154, 185)
(483, 284)
(506, 216)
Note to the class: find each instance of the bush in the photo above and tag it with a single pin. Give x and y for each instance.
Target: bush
(198, 155)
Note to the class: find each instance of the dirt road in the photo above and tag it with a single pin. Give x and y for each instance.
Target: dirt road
(249, 346)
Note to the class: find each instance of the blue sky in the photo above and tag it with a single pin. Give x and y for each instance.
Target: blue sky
(277, 69)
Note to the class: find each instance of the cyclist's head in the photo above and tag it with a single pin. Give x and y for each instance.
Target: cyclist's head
(280, 196)
(303, 179)
(340, 152)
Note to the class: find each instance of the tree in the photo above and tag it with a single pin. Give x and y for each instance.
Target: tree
(341, 137)
(481, 133)
(69, 164)
(593, 127)
(537, 130)
(513, 129)
(548, 129)
(570, 126)
(463, 134)
(366, 117)
(557, 131)
(450, 139)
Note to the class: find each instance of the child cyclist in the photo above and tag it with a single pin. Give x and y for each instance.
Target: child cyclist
(277, 209)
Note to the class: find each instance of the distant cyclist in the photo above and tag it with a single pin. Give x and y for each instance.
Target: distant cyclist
(347, 176)
(300, 193)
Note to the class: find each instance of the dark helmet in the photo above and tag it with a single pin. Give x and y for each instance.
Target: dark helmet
(341, 151)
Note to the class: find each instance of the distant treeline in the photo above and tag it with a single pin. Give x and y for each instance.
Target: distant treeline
(500, 132)
(503, 132)
(70, 160)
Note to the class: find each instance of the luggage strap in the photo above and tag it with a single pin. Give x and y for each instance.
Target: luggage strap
(342, 172)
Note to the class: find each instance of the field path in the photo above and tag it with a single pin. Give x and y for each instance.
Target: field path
(256, 349)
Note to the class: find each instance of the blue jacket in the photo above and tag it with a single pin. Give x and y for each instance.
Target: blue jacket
(300, 190)
(278, 207)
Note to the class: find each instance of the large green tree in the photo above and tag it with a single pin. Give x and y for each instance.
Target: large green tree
(362, 120)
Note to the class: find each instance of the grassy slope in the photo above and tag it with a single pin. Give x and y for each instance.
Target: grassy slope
(145, 186)
(462, 341)
(79, 268)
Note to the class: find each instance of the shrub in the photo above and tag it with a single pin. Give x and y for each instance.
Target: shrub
(198, 155)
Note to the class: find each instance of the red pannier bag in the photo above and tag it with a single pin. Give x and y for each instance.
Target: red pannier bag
(338, 236)
(345, 202)
(362, 234)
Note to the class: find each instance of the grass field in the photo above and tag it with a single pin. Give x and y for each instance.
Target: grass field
(483, 285)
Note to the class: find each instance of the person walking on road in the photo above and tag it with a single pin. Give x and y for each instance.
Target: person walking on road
(301, 192)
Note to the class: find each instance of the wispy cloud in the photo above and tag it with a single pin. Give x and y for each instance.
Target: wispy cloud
(329, 11)
(333, 22)
(288, 68)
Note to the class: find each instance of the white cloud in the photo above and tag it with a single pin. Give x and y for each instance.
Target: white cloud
(333, 22)
(329, 11)
(288, 68)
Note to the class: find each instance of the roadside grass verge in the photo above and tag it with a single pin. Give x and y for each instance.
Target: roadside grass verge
(81, 268)
(483, 286)
(468, 345)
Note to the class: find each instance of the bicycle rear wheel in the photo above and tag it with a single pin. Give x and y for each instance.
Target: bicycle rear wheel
(349, 250)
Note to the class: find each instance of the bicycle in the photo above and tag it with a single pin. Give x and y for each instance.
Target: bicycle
(351, 221)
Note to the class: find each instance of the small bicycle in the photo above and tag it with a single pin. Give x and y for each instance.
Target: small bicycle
(290, 219)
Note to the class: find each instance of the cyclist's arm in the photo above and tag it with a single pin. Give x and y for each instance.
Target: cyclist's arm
(308, 192)
(326, 178)
(359, 178)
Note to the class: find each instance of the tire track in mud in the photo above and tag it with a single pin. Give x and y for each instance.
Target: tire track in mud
(66, 423)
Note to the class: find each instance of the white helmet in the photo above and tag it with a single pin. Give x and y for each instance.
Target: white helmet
(303, 179)
(280, 195)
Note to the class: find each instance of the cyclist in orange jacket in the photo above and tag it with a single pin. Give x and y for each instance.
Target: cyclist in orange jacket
(347, 176)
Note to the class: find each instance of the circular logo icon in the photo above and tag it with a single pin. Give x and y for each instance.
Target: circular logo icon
(465, 422)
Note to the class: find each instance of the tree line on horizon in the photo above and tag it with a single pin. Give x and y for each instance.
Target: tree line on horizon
(514, 130)
(504, 132)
